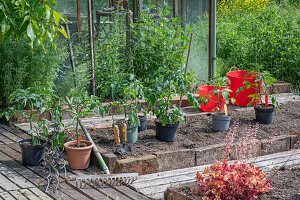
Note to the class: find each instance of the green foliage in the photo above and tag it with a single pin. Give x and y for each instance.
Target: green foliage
(262, 81)
(80, 104)
(158, 43)
(34, 18)
(20, 69)
(110, 61)
(269, 38)
(36, 99)
(220, 91)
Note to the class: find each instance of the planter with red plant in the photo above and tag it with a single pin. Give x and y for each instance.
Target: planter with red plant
(79, 151)
(220, 120)
(264, 112)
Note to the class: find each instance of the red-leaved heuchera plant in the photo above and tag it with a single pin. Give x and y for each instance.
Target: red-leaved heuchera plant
(222, 181)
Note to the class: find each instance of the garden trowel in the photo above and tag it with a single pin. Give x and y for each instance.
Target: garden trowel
(117, 140)
(125, 147)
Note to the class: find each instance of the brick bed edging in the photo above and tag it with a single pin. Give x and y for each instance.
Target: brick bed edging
(182, 158)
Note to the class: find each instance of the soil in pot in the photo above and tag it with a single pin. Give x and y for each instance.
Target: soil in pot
(166, 133)
(220, 122)
(198, 132)
(32, 155)
(143, 124)
(78, 157)
(264, 115)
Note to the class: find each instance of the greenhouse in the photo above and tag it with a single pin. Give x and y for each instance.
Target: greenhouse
(150, 99)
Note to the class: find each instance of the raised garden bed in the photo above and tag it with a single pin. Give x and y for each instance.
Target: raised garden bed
(196, 143)
(285, 183)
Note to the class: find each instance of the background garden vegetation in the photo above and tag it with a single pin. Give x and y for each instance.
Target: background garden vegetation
(250, 34)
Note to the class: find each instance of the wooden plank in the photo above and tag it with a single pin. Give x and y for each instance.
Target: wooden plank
(40, 194)
(10, 135)
(6, 196)
(29, 175)
(130, 193)
(119, 192)
(15, 146)
(18, 195)
(15, 131)
(5, 139)
(14, 177)
(107, 191)
(6, 184)
(27, 193)
(11, 153)
(64, 186)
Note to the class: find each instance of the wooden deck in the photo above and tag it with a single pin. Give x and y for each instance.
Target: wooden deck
(19, 182)
(154, 185)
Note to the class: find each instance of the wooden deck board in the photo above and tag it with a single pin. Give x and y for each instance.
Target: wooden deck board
(15, 131)
(19, 182)
(14, 177)
(5, 139)
(5, 195)
(17, 195)
(10, 135)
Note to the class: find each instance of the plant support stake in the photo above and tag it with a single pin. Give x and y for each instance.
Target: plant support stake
(186, 66)
(91, 36)
(71, 51)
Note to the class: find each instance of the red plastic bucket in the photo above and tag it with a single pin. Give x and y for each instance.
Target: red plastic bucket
(237, 79)
(212, 105)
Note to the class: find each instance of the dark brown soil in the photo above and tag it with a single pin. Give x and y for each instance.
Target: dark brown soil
(197, 132)
(285, 183)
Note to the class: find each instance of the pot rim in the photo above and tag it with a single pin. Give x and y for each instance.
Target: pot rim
(42, 145)
(67, 145)
(267, 108)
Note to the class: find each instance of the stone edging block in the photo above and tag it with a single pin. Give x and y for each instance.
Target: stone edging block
(276, 144)
(177, 159)
(143, 165)
(209, 154)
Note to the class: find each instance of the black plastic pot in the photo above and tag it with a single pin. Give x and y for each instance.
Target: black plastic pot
(264, 115)
(220, 122)
(32, 155)
(166, 133)
(143, 124)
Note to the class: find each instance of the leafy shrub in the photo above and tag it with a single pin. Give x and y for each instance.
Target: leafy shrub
(158, 44)
(268, 38)
(235, 181)
(20, 68)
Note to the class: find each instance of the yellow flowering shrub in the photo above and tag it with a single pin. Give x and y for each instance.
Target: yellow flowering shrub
(233, 7)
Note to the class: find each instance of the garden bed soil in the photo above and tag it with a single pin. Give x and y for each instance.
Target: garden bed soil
(285, 183)
(197, 132)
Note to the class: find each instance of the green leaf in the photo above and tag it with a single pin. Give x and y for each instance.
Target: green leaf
(62, 31)
(30, 32)
(239, 90)
(57, 17)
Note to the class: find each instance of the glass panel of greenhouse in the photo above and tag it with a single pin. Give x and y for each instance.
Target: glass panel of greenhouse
(196, 15)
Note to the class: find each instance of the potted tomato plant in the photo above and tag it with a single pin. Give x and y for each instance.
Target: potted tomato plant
(220, 120)
(80, 104)
(264, 112)
(35, 99)
(169, 115)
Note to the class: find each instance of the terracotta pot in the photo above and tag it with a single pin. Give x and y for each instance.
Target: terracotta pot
(78, 158)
